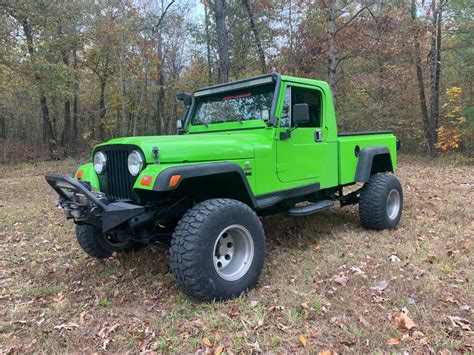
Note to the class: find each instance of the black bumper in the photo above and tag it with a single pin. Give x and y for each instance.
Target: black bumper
(86, 206)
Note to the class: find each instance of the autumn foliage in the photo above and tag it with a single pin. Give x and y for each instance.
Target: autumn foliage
(73, 74)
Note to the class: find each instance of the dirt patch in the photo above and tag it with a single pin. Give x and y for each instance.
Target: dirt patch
(410, 289)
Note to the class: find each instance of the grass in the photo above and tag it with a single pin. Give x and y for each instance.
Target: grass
(53, 298)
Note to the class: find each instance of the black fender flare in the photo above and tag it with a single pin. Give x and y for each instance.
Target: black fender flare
(202, 170)
(365, 165)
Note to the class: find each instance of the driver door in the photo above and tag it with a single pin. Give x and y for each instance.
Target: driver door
(301, 154)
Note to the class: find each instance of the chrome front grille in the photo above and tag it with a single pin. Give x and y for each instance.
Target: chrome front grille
(116, 182)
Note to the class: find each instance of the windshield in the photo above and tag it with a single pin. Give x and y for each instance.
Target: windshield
(237, 106)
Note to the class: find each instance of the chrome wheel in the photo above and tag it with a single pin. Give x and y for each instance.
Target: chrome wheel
(233, 252)
(393, 204)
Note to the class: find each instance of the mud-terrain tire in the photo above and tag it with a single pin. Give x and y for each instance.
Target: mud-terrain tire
(97, 244)
(218, 249)
(381, 202)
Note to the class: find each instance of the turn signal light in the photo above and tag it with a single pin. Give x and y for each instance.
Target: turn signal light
(174, 180)
(79, 174)
(147, 180)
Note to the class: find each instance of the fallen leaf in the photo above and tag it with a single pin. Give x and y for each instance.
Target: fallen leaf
(393, 341)
(448, 298)
(82, 317)
(219, 350)
(417, 335)
(105, 331)
(59, 298)
(328, 352)
(67, 326)
(447, 269)
(341, 280)
(303, 340)
(207, 342)
(380, 286)
(356, 270)
(394, 258)
(282, 327)
(404, 322)
(460, 323)
(253, 303)
(105, 343)
(233, 312)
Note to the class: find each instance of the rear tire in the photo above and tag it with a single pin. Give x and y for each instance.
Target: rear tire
(381, 202)
(99, 245)
(218, 249)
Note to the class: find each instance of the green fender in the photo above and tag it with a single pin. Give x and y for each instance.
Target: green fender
(89, 175)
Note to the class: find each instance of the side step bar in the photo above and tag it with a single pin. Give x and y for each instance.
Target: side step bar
(311, 208)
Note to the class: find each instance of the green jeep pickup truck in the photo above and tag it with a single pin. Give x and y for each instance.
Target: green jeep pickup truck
(245, 149)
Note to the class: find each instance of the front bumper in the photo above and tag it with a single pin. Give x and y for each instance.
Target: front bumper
(86, 206)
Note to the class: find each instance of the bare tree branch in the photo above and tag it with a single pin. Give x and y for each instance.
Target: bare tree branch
(351, 19)
(155, 27)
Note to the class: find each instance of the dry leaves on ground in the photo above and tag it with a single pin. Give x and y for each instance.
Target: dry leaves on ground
(303, 340)
(403, 321)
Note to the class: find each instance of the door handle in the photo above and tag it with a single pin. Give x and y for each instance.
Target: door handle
(318, 135)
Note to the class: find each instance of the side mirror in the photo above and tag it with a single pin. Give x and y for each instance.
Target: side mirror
(186, 97)
(300, 114)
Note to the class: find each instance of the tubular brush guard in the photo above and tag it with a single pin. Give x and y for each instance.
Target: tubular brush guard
(86, 206)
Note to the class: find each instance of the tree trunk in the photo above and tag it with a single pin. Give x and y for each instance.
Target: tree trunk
(102, 108)
(145, 98)
(332, 55)
(435, 75)
(160, 100)
(66, 134)
(3, 127)
(222, 41)
(75, 102)
(421, 83)
(48, 132)
(47, 126)
(208, 45)
(290, 27)
(124, 123)
(253, 26)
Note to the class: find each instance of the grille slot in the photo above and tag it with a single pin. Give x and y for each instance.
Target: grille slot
(116, 182)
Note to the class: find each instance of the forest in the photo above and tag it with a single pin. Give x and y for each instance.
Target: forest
(74, 73)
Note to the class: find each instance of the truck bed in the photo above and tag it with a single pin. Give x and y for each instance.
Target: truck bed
(350, 144)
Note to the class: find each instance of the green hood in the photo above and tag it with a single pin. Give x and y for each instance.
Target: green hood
(194, 147)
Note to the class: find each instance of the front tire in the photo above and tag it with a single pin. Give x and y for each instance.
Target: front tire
(381, 202)
(218, 249)
(99, 245)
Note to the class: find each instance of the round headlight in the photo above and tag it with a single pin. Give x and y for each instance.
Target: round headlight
(100, 161)
(135, 162)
